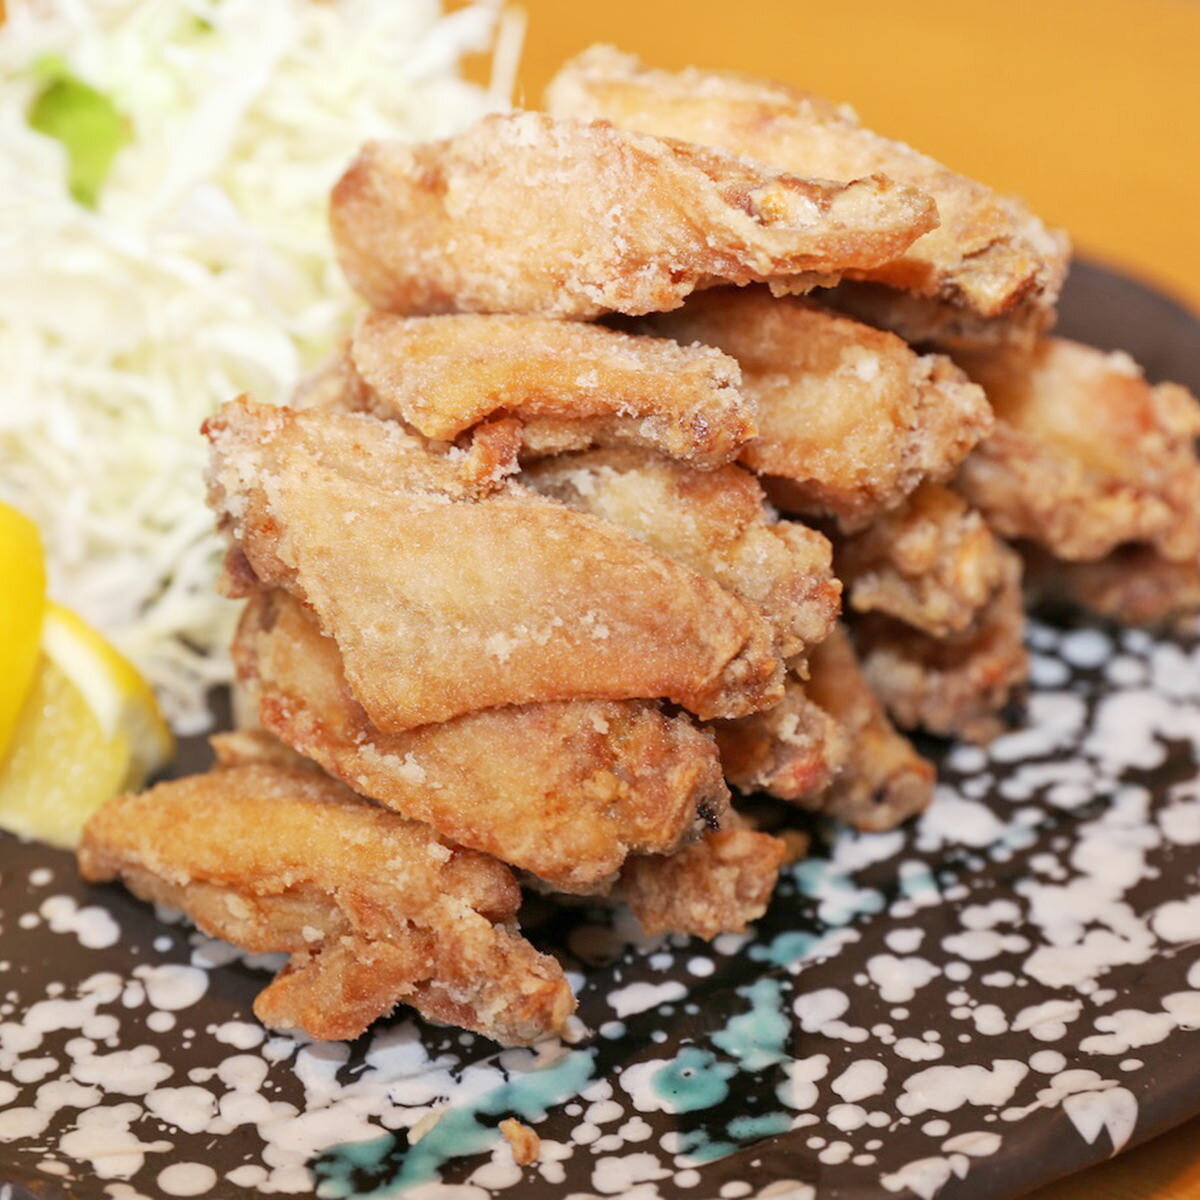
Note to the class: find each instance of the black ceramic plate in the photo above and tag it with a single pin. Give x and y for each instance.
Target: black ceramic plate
(1004, 993)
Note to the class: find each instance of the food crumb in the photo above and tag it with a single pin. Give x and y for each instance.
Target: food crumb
(425, 1124)
(526, 1145)
(796, 843)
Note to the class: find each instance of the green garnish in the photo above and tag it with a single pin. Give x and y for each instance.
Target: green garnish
(85, 121)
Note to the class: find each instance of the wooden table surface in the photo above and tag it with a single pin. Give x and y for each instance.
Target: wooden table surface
(1089, 109)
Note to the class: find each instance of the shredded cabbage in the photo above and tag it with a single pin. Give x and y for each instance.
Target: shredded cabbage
(203, 270)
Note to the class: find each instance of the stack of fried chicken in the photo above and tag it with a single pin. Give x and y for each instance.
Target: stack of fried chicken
(553, 553)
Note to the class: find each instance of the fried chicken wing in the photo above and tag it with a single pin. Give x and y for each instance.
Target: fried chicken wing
(829, 747)
(526, 214)
(565, 790)
(1086, 454)
(252, 744)
(374, 910)
(958, 686)
(793, 751)
(990, 270)
(883, 781)
(568, 385)
(715, 522)
(718, 884)
(850, 420)
(1134, 585)
(442, 603)
(932, 563)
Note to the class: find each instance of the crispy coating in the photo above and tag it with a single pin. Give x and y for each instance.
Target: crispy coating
(989, 270)
(927, 321)
(957, 687)
(829, 747)
(442, 602)
(373, 910)
(1134, 585)
(568, 385)
(850, 420)
(564, 790)
(883, 781)
(716, 885)
(525, 1143)
(793, 751)
(715, 522)
(932, 563)
(525, 214)
(252, 744)
(1086, 454)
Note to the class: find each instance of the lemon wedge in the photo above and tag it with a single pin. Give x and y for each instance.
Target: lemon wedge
(89, 729)
(22, 604)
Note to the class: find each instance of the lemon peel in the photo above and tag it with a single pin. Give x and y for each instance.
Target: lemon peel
(90, 728)
(22, 605)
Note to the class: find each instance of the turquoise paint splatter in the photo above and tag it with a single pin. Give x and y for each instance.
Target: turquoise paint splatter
(364, 1157)
(458, 1134)
(839, 901)
(749, 1129)
(757, 1038)
(784, 948)
(917, 881)
(693, 1080)
(696, 1147)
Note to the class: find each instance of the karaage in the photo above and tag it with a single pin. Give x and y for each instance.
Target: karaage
(567, 385)
(959, 686)
(374, 910)
(718, 884)
(442, 603)
(715, 522)
(850, 420)
(1086, 455)
(523, 213)
(990, 270)
(565, 791)
(932, 563)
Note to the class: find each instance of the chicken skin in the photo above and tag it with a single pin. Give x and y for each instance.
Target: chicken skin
(523, 213)
(373, 910)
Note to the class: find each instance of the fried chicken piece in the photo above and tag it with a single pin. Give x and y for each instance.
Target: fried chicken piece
(829, 747)
(989, 271)
(716, 885)
(483, 464)
(793, 751)
(942, 324)
(932, 563)
(1133, 585)
(850, 420)
(568, 385)
(240, 747)
(715, 522)
(525, 214)
(443, 602)
(564, 790)
(883, 780)
(374, 910)
(958, 686)
(1086, 454)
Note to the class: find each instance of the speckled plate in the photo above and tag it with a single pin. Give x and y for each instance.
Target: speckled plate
(1001, 994)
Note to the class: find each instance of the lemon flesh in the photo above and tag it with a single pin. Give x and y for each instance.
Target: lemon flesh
(89, 729)
(22, 606)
